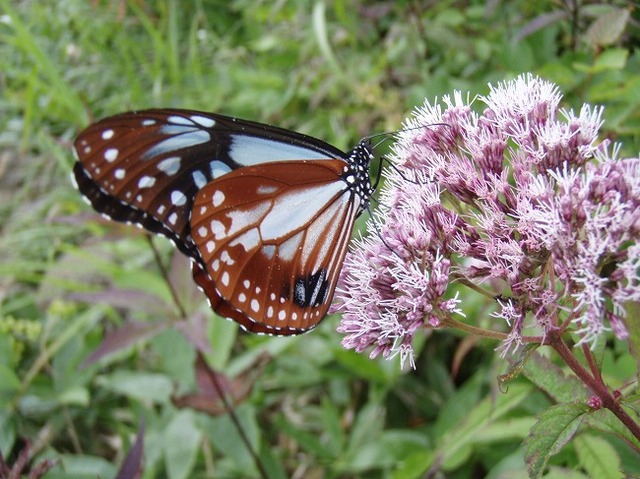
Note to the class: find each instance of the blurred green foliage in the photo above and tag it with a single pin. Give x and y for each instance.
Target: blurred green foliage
(336, 70)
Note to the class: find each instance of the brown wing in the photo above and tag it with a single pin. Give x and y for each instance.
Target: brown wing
(272, 239)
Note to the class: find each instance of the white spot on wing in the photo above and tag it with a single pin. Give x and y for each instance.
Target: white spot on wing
(111, 154)
(199, 179)
(178, 198)
(255, 305)
(226, 258)
(119, 173)
(266, 190)
(173, 218)
(269, 251)
(170, 165)
(181, 137)
(217, 229)
(288, 249)
(203, 121)
(107, 134)
(146, 182)
(218, 168)
(218, 198)
(179, 120)
(225, 279)
(241, 220)
(248, 240)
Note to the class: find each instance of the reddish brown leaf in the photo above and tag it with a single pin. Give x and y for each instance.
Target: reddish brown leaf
(211, 384)
(194, 329)
(132, 465)
(129, 299)
(125, 337)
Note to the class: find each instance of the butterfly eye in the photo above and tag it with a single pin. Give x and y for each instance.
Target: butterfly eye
(264, 213)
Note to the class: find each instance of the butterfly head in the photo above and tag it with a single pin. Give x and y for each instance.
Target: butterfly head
(356, 173)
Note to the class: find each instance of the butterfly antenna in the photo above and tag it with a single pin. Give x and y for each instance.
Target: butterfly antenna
(386, 136)
(389, 134)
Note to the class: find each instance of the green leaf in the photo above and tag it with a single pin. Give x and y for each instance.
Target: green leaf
(458, 404)
(633, 310)
(307, 440)
(604, 420)
(367, 426)
(222, 337)
(454, 446)
(9, 382)
(597, 457)
(564, 473)
(360, 365)
(509, 429)
(561, 386)
(612, 59)
(225, 437)
(555, 427)
(7, 431)
(143, 386)
(181, 442)
(389, 449)
(608, 28)
(82, 467)
(415, 465)
(333, 426)
(75, 396)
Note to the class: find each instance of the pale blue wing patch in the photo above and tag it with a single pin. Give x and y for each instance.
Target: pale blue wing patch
(251, 150)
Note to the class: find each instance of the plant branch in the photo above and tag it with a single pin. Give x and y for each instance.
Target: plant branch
(165, 275)
(485, 333)
(593, 383)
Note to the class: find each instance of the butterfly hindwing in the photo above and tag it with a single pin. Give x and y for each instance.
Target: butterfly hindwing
(272, 238)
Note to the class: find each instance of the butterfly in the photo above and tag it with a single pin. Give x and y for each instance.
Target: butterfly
(265, 214)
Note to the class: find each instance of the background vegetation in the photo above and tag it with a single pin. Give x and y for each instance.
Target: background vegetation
(336, 70)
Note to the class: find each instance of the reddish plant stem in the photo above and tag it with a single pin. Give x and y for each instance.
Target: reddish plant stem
(592, 382)
(592, 363)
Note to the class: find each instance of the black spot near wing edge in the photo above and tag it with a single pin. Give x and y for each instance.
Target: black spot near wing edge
(311, 290)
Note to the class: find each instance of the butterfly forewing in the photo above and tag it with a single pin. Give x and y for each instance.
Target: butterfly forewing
(146, 167)
(272, 238)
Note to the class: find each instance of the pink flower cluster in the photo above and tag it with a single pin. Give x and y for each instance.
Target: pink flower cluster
(521, 200)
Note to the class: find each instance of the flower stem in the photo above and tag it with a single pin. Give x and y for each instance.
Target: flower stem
(592, 382)
(485, 333)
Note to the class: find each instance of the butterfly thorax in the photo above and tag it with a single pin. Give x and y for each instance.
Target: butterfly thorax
(356, 173)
